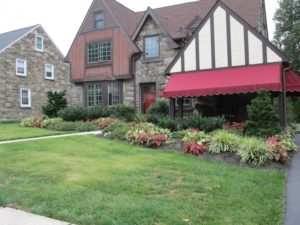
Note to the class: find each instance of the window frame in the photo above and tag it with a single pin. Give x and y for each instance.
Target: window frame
(91, 62)
(96, 96)
(97, 20)
(25, 67)
(29, 98)
(145, 47)
(52, 71)
(113, 103)
(42, 44)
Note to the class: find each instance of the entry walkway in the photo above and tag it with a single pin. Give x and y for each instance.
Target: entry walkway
(50, 137)
(9, 216)
(293, 190)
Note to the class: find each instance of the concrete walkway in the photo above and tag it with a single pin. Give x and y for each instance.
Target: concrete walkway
(10, 216)
(293, 190)
(50, 137)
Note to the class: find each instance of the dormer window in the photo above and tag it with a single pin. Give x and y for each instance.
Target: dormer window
(151, 46)
(39, 43)
(99, 20)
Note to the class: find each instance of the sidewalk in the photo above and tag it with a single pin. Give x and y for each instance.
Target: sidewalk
(293, 190)
(9, 216)
(50, 137)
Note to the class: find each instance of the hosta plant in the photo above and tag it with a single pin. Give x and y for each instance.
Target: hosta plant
(149, 135)
(195, 142)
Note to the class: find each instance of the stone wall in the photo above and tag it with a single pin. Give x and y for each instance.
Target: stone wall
(152, 71)
(10, 83)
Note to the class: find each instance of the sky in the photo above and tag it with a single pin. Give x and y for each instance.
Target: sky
(62, 18)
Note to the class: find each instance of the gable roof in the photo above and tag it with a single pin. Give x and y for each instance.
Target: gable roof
(9, 38)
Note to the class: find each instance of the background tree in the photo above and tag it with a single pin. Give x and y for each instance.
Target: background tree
(56, 102)
(287, 33)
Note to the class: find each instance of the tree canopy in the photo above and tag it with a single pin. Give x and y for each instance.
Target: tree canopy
(287, 33)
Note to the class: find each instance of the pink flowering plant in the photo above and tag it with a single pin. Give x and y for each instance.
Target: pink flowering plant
(195, 142)
(149, 135)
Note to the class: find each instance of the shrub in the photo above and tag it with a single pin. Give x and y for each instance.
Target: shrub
(160, 107)
(254, 151)
(72, 126)
(117, 130)
(173, 124)
(73, 113)
(206, 124)
(31, 122)
(105, 122)
(224, 141)
(149, 135)
(97, 112)
(235, 127)
(195, 142)
(140, 118)
(47, 122)
(56, 102)
(280, 146)
(263, 119)
(296, 109)
(124, 112)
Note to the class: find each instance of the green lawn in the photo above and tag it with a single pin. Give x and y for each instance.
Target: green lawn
(12, 131)
(91, 181)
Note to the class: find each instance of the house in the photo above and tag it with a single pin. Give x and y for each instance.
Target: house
(30, 66)
(122, 56)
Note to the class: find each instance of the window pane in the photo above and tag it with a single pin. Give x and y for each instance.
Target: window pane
(25, 97)
(99, 52)
(98, 94)
(99, 20)
(152, 46)
(39, 43)
(49, 70)
(21, 65)
(90, 94)
(114, 94)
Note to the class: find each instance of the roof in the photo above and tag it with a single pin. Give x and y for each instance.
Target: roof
(9, 38)
(176, 18)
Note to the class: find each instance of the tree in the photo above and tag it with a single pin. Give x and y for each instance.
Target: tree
(287, 33)
(263, 118)
(56, 102)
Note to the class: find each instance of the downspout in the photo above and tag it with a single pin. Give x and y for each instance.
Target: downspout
(284, 122)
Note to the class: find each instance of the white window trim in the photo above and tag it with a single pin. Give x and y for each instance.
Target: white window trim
(25, 67)
(52, 70)
(29, 98)
(36, 37)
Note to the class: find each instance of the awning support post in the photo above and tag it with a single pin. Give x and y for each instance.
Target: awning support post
(172, 108)
(180, 107)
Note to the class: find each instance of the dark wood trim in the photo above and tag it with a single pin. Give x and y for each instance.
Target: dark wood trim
(182, 62)
(180, 107)
(145, 58)
(246, 44)
(212, 37)
(228, 25)
(264, 49)
(172, 107)
(197, 52)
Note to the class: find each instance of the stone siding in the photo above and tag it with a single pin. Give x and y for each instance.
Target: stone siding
(10, 83)
(152, 71)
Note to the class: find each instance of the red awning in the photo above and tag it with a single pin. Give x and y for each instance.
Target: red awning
(226, 81)
(292, 81)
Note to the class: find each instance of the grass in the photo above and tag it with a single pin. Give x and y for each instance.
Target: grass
(12, 131)
(91, 181)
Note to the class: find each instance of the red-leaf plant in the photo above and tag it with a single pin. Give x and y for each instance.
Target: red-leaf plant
(277, 146)
(195, 142)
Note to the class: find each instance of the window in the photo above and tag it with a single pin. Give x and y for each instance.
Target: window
(21, 67)
(39, 43)
(151, 44)
(99, 20)
(94, 95)
(114, 94)
(49, 72)
(186, 102)
(25, 97)
(99, 52)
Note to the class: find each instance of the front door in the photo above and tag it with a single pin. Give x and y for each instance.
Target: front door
(148, 94)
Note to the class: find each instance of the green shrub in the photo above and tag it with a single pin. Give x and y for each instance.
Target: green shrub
(173, 124)
(84, 127)
(73, 113)
(160, 107)
(56, 102)
(206, 124)
(117, 130)
(47, 122)
(149, 135)
(254, 151)
(263, 118)
(72, 126)
(125, 112)
(97, 112)
(140, 118)
(296, 110)
(224, 141)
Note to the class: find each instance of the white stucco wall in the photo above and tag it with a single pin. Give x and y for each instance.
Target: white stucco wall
(272, 56)
(205, 47)
(237, 43)
(190, 57)
(255, 49)
(177, 67)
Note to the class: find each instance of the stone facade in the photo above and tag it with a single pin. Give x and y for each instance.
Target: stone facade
(152, 71)
(10, 83)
